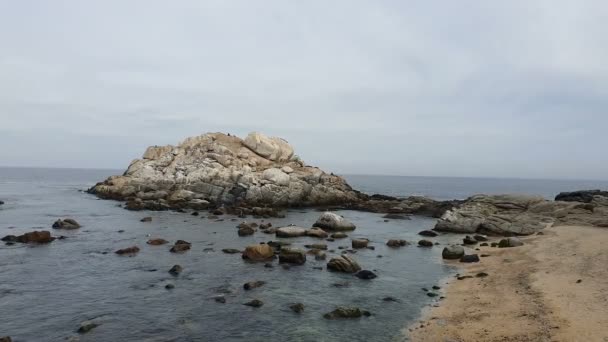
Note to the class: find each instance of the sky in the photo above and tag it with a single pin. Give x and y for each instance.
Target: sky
(464, 88)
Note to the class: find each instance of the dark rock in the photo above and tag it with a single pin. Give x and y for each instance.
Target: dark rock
(176, 270)
(395, 243)
(365, 274)
(67, 223)
(157, 242)
(256, 303)
(481, 275)
(169, 286)
(253, 284)
(146, 219)
(425, 243)
(128, 250)
(390, 299)
(246, 231)
(469, 240)
(42, 236)
(429, 233)
(494, 244)
(579, 281)
(510, 242)
(346, 312)
(485, 244)
(452, 252)
(231, 251)
(195, 213)
(292, 256)
(463, 277)
(297, 307)
(480, 238)
(339, 235)
(220, 299)
(180, 246)
(584, 196)
(435, 287)
(470, 258)
(396, 217)
(360, 243)
(10, 238)
(268, 265)
(431, 294)
(5, 338)
(87, 326)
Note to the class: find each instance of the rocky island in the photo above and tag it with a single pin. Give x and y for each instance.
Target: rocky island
(258, 174)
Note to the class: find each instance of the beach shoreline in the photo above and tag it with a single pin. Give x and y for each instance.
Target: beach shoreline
(554, 288)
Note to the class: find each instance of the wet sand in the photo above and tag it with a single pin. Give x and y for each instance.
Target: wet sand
(554, 288)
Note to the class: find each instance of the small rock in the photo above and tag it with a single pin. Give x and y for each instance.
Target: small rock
(431, 294)
(87, 326)
(469, 240)
(480, 238)
(396, 217)
(220, 299)
(395, 243)
(157, 242)
(346, 312)
(579, 281)
(246, 231)
(297, 307)
(260, 252)
(452, 252)
(292, 256)
(180, 246)
(128, 250)
(176, 270)
(256, 303)
(169, 286)
(390, 299)
(429, 233)
(425, 243)
(360, 243)
(231, 251)
(510, 242)
(344, 264)
(317, 232)
(469, 258)
(253, 284)
(481, 275)
(485, 244)
(435, 287)
(268, 265)
(67, 223)
(339, 235)
(146, 219)
(365, 274)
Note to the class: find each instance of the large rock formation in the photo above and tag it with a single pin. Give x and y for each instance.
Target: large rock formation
(520, 214)
(216, 169)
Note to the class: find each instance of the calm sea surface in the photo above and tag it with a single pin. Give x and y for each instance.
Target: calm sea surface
(47, 291)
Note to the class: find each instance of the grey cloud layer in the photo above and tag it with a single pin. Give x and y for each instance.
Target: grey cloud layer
(467, 88)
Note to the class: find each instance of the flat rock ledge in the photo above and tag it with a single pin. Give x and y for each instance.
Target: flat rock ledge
(254, 176)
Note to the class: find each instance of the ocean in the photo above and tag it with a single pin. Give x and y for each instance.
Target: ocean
(46, 291)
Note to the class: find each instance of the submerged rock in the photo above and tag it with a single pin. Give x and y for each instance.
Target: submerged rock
(180, 246)
(297, 307)
(157, 242)
(246, 231)
(428, 233)
(67, 223)
(231, 251)
(176, 270)
(425, 243)
(256, 303)
(332, 221)
(343, 263)
(39, 237)
(346, 312)
(359, 243)
(253, 284)
(146, 219)
(366, 274)
(87, 326)
(292, 256)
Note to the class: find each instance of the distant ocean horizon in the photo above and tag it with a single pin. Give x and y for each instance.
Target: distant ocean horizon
(436, 187)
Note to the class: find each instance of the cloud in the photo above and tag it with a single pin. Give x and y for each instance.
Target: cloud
(467, 88)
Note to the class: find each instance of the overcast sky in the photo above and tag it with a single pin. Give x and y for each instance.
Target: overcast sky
(434, 88)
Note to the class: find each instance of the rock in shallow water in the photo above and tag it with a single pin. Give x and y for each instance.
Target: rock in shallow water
(157, 242)
(359, 243)
(366, 274)
(425, 243)
(510, 242)
(176, 270)
(253, 284)
(395, 243)
(452, 252)
(67, 223)
(260, 252)
(290, 231)
(332, 221)
(129, 250)
(256, 303)
(343, 263)
(292, 256)
(40, 237)
(346, 312)
(297, 307)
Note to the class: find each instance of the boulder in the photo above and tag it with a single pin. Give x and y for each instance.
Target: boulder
(346, 312)
(272, 148)
(365, 274)
(343, 263)
(40, 237)
(290, 231)
(396, 243)
(157, 242)
(452, 252)
(469, 258)
(425, 243)
(292, 256)
(317, 232)
(510, 242)
(335, 222)
(360, 243)
(428, 233)
(128, 250)
(260, 252)
(67, 223)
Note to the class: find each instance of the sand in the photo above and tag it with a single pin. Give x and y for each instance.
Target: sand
(554, 288)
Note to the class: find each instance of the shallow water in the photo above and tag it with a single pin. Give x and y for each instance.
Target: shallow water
(46, 291)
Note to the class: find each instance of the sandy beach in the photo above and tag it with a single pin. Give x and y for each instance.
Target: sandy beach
(554, 288)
